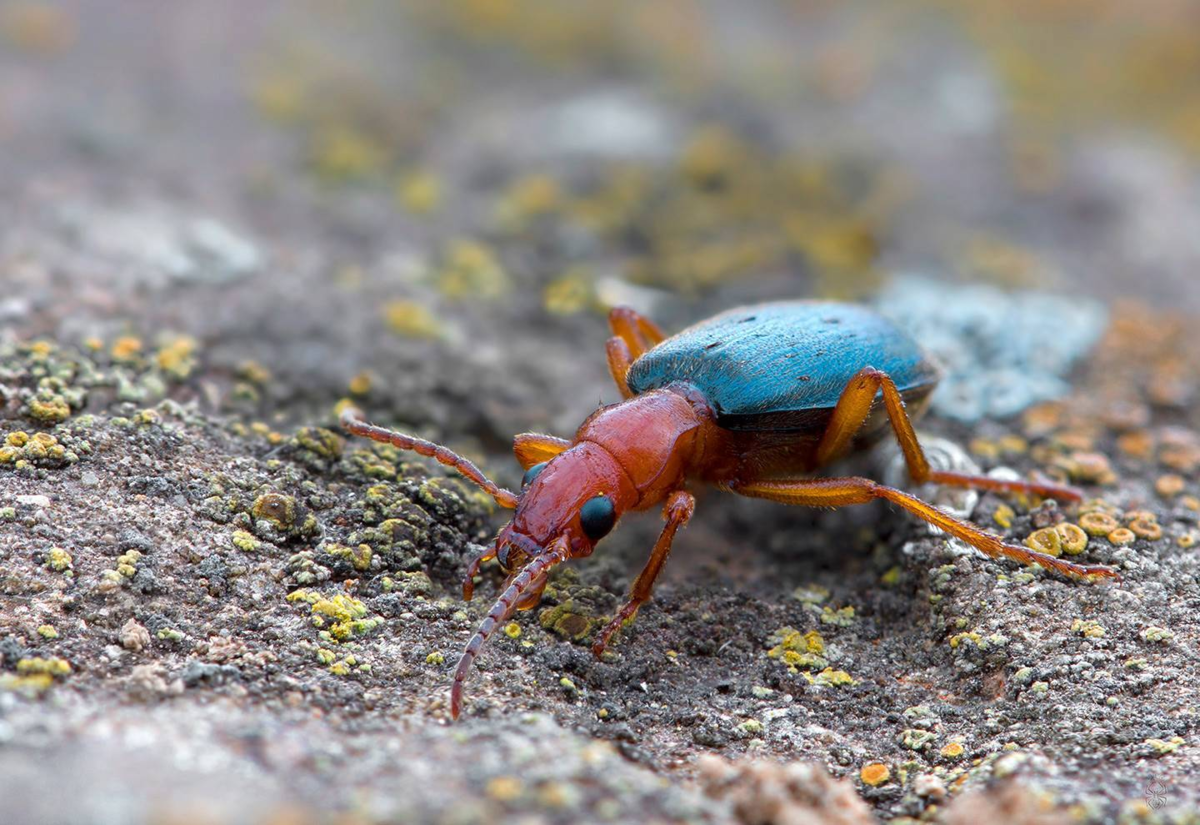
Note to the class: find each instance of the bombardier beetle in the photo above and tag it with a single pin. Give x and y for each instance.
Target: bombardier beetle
(754, 401)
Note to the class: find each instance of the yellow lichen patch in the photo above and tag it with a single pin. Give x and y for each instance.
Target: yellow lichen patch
(253, 372)
(340, 152)
(831, 678)
(569, 294)
(58, 560)
(245, 541)
(1047, 540)
(52, 666)
(1098, 523)
(37, 27)
(841, 617)
(1088, 468)
(1004, 516)
(177, 357)
(359, 556)
(341, 617)
(419, 192)
(1146, 527)
(1072, 538)
(964, 638)
(348, 615)
(360, 384)
(798, 650)
(1088, 629)
(565, 621)
(49, 408)
(875, 774)
(504, 788)
(471, 270)
(1169, 485)
(1162, 747)
(126, 348)
(512, 630)
(279, 97)
(528, 198)
(952, 750)
(410, 319)
(1122, 536)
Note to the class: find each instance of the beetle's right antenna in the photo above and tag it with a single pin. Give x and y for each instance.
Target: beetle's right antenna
(501, 610)
(352, 421)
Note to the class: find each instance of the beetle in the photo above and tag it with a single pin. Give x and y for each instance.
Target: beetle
(755, 401)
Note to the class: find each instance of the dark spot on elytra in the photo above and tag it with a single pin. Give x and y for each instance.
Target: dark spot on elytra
(713, 345)
(748, 319)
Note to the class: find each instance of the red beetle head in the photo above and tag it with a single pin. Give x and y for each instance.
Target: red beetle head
(567, 504)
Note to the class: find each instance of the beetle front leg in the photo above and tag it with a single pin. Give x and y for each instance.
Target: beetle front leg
(677, 512)
(468, 584)
(534, 448)
(852, 411)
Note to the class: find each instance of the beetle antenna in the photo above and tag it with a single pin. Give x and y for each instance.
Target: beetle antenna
(501, 610)
(352, 421)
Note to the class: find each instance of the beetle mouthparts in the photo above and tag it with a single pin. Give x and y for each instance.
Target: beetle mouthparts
(529, 576)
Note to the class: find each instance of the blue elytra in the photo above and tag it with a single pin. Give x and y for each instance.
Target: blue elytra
(784, 365)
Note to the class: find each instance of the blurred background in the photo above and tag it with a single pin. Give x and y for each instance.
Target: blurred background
(357, 188)
(257, 209)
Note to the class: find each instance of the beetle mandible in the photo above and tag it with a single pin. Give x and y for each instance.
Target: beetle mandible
(754, 401)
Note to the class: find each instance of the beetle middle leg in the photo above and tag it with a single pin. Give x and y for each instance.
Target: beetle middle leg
(677, 512)
(839, 492)
(855, 406)
(633, 334)
(638, 331)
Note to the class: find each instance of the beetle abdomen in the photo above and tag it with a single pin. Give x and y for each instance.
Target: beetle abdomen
(774, 366)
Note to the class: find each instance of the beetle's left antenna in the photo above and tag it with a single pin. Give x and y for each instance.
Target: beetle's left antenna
(352, 421)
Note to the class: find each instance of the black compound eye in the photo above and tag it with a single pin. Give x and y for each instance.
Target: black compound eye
(532, 473)
(597, 516)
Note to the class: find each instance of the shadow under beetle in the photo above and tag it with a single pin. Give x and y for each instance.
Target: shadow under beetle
(753, 401)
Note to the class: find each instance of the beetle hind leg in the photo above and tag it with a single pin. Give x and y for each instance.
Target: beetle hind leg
(840, 492)
(852, 411)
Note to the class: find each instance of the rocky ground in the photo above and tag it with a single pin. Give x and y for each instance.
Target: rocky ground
(220, 223)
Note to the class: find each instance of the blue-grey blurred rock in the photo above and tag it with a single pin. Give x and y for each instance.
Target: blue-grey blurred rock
(1002, 351)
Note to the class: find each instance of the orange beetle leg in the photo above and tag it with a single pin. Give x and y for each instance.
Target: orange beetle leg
(839, 492)
(534, 448)
(855, 406)
(677, 511)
